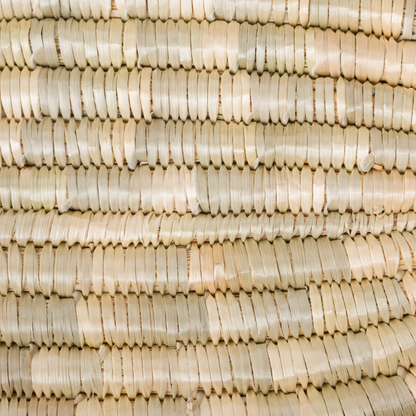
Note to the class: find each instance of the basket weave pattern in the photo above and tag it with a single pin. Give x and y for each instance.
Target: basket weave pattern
(207, 207)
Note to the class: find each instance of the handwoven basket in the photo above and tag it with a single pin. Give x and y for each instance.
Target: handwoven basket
(207, 208)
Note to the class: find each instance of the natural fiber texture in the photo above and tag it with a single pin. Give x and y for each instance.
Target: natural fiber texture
(380, 394)
(32, 406)
(207, 207)
(176, 371)
(90, 229)
(247, 265)
(175, 95)
(166, 320)
(198, 190)
(134, 142)
(207, 46)
(391, 19)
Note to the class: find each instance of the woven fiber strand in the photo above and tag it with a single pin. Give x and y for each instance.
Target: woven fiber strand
(164, 320)
(90, 229)
(96, 142)
(69, 371)
(390, 19)
(198, 190)
(290, 404)
(182, 94)
(31, 406)
(162, 44)
(354, 396)
(247, 265)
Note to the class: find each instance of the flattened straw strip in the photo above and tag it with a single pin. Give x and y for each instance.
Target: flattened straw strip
(395, 20)
(261, 375)
(77, 189)
(208, 89)
(330, 397)
(206, 267)
(118, 39)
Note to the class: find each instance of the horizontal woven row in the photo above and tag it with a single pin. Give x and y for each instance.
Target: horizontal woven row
(230, 318)
(32, 406)
(389, 394)
(207, 45)
(70, 371)
(245, 265)
(165, 320)
(91, 229)
(390, 19)
(209, 191)
(341, 400)
(182, 94)
(96, 142)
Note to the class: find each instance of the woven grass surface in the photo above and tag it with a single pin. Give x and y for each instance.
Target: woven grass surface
(165, 320)
(242, 264)
(387, 19)
(209, 190)
(132, 142)
(382, 394)
(90, 229)
(180, 44)
(223, 368)
(202, 95)
(207, 208)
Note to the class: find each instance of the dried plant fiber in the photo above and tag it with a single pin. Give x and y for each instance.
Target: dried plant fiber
(393, 20)
(95, 142)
